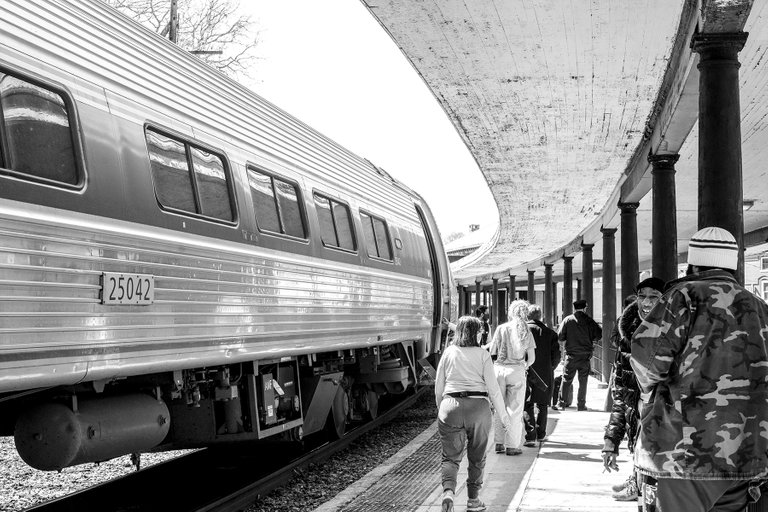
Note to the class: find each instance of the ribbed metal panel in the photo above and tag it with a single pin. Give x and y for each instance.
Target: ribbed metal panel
(214, 302)
(141, 71)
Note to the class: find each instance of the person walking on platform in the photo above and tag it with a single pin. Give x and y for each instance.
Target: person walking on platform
(464, 383)
(625, 409)
(579, 332)
(701, 353)
(482, 313)
(515, 348)
(547, 358)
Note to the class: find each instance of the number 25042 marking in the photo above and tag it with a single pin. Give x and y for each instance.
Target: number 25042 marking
(119, 288)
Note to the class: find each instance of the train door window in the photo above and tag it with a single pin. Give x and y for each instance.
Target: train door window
(189, 178)
(335, 223)
(376, 236)
(277, 204)
(36, 133)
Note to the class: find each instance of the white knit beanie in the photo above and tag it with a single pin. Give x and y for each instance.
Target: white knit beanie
(713, 247)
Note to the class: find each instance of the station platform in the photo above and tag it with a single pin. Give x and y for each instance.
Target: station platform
(563, 473)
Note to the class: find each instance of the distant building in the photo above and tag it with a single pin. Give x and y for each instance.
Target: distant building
(756, 270)
(467, 244)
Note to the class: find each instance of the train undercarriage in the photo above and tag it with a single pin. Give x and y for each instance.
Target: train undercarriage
(285, 399)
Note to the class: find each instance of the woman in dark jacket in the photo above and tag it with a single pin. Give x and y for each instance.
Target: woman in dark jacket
(626, 392)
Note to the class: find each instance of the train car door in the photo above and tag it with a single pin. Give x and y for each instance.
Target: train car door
(436, 282)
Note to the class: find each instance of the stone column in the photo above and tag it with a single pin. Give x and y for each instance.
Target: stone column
(578, 288)
(664, 223)
(495, 305)
(554, 304)
(588, 281)
(462, 300)
(477, 296)
(512, 289)
(720, 180)
(630, 268)
(547, 306)
(609, 297)
(531, 290)
(567, 285)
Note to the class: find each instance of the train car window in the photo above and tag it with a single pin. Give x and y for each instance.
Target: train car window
(369, 235)
(327, 231)
(382, 239)
(173, 183)
(376, 236)
(212, 184)
(290, 212)
(343, 221)
(277, 205)
(263, 197)
(36, 132)
(335, 223)
(189, 178)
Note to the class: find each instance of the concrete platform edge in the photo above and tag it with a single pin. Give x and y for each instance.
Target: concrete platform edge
(373, 476)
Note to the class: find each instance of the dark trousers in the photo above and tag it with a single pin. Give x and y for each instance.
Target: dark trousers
(675, 495)
(535, 425)
(574, 364)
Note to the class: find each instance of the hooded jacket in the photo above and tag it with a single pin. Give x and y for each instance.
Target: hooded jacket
(625, 393)
(702, 352)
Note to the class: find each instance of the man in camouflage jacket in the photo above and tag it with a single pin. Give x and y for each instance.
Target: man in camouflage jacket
(701, 354)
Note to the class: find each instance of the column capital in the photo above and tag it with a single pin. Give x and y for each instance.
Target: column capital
(718, 44)
(628, 207)
(550, 265)
(663, 162)
(531, 272)
(608, 232)
(495, 279)
(586, 247)
(567, 258)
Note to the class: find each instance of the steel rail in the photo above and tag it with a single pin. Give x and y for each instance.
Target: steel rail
(244, 497)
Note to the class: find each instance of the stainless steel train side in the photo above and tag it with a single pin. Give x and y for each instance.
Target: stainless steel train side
(248, 332)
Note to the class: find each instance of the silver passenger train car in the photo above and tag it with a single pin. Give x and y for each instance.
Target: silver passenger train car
(181, 262)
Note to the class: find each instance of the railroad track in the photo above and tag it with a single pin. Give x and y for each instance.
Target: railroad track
(213, 480)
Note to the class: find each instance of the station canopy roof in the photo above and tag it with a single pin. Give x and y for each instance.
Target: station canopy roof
(561, 102)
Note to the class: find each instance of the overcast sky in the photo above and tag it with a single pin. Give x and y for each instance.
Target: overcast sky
(331, 65)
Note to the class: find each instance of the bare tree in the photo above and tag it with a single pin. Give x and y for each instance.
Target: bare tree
(211, 29)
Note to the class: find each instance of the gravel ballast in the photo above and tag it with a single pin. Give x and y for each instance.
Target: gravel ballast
(22, 487)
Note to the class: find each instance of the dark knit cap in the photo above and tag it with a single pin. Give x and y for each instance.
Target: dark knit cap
(579, 304)
(651, 282)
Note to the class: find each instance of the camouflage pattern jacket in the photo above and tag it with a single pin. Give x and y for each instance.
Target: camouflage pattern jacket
(701, 352)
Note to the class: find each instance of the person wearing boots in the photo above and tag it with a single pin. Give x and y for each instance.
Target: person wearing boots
(579, 332)
(538, 397)
(625, 410)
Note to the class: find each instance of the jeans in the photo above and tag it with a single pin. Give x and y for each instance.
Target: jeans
(512, 383)
(464, 422)
(575, 364)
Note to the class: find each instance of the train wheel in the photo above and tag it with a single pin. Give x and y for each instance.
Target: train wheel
(373, 404)
(336, 424)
